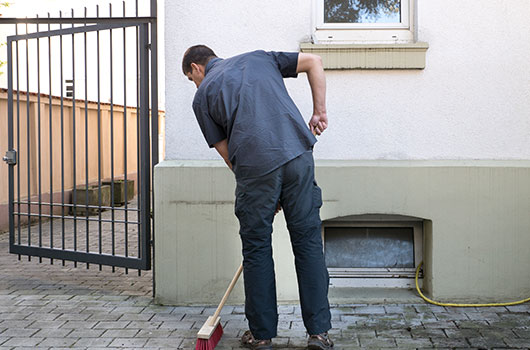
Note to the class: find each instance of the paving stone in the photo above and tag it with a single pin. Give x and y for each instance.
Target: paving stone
(400, 309)
(86, 333)
(285, 309)
(413, 343)
(518, 342)
(93, 342)
(439, 324)
(449, 342)
(62, 342)
(377, 342)
(462, 333)
(393, 333)
(144, 325)
(497, 332)
(128, 342)
(164, 343)
(522, 333)
(176, 325)
(519, 308)
(136, 317)
(79, 324)
(23, 341)
(369, 310)
(153, 333)
(486, 342)
(73, 317)
(111, 325)
(52, 333)
(19, 332)
(120, 333)
(429, 308)
(476, 324)
(485, 316)
(104, 317)
(428, 332)
(446, 316)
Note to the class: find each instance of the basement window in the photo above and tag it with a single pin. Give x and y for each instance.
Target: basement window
(368, 253)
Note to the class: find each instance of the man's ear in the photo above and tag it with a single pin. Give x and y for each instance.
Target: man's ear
(195, 66)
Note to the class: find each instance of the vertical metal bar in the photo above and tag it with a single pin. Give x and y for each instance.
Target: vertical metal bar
(138, 172)
(51, 135)
(125, 138)
(145, 161)
(154, 115)
(111, 140)
(18, 141)
(10, 142)
(74, 132)
(154, 86)
(99, 139)
(62, 131)
(39, 141)
(28, 135)
(86, 146)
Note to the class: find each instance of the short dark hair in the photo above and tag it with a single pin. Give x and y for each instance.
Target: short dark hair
(199, 54)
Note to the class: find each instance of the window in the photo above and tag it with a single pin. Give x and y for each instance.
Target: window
(376, 21)
(382, 253)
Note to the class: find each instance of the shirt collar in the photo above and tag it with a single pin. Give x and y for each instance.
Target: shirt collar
(211, 64)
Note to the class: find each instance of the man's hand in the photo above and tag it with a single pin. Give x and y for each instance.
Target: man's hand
(312, 65)
(318, 123)
(222, 149)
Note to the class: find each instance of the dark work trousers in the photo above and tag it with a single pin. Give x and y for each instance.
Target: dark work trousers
(294, 186)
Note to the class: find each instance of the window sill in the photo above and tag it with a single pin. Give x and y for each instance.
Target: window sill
(369, 56)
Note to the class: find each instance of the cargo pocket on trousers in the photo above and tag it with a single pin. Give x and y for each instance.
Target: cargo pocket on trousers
(239, 207)
(317, 195)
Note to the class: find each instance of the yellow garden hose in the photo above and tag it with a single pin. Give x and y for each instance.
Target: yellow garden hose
(461, 305)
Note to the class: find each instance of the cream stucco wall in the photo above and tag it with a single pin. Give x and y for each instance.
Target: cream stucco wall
(472, 101)
(476, 237)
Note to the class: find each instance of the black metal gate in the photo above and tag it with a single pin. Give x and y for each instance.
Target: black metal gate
(80, 163)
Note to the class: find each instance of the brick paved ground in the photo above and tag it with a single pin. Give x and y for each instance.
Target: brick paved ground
(45, 306)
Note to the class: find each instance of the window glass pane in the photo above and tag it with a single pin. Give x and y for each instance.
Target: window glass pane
(362, 11)
(347, 247)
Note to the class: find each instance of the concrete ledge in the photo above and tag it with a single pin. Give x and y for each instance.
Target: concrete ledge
(369, 56)
(475, 230)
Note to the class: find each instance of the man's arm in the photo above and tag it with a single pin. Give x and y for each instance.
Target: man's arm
(222, 149)
(312, 65)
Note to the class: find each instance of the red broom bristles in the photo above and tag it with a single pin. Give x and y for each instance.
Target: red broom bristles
(210, 344)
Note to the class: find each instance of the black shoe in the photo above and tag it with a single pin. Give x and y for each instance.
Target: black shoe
(319, 342)
(249, 341)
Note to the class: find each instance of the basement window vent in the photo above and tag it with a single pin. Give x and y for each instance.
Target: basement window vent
(373, 253)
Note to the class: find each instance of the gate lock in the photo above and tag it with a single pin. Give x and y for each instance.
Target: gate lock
(11, 157)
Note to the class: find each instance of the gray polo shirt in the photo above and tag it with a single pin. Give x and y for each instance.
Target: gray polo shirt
(243, 99)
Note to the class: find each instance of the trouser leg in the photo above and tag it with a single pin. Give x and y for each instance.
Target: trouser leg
(301, 201)
(256, 201)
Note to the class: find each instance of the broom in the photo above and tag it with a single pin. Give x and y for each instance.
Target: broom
(212, 331)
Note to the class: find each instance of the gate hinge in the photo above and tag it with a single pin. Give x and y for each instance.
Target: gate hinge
(149, 46)
(11, 157)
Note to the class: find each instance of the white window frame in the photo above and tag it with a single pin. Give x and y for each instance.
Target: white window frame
(364, 32)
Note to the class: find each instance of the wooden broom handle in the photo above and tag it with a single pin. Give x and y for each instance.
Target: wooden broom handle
(227, 293)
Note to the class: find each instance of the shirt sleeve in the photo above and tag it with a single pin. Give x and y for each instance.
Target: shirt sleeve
(287, 63)
(212, 131)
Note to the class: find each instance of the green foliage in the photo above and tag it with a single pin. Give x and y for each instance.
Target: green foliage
(349, 11)
(3, 63)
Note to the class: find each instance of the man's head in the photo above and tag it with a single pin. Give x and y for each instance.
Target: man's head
(194, 62)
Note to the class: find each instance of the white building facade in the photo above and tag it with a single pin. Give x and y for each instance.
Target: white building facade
(429, 135)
